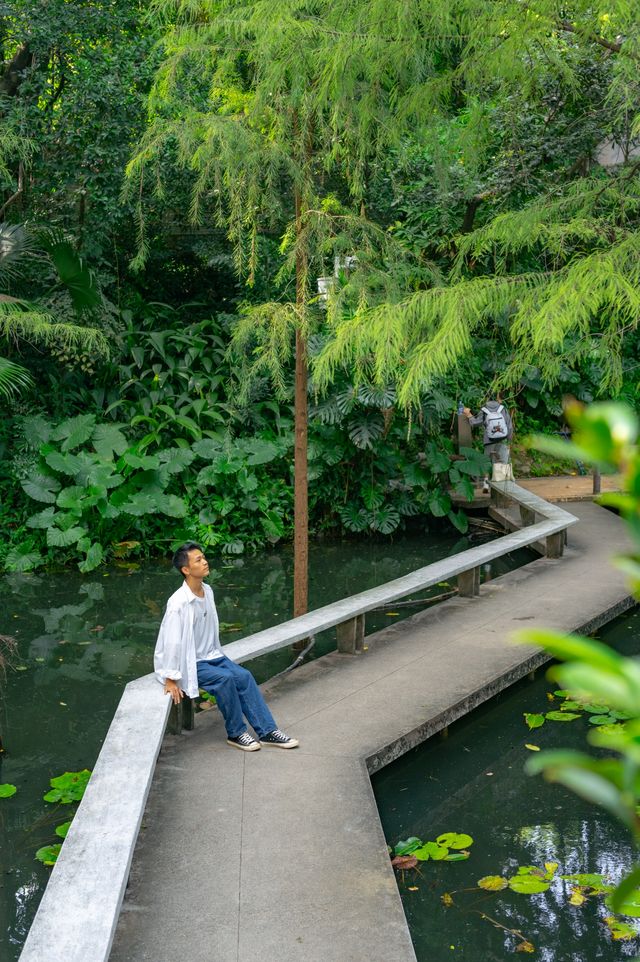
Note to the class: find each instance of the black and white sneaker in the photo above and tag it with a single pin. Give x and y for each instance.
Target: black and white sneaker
(244, 742)
(278, 739)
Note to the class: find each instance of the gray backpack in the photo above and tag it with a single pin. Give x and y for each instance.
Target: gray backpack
(495, 424)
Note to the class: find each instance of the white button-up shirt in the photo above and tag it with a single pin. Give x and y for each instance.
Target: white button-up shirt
(175, 653)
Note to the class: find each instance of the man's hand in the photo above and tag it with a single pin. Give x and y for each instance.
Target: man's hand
(171, 688)
(467, 411)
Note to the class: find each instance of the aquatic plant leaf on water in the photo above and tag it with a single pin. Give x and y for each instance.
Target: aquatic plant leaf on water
(561, 693)
(533, 720)
(455, 841)
(446, 899)
(69, 787)
(551, 869)
(585, 879)
(532, 748)
(493, 883)
(602, 720)
(48, 854)
(62, 830)
(597, 709)
(528, 884)
(525, 946)
(408, 845)
(457, 856)
(621, 931)
(7, 790)
(577, 897)
(404, 861)
(561, 716)
(431, 850)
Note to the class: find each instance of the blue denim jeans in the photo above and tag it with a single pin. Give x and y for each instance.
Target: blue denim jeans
(236, 694)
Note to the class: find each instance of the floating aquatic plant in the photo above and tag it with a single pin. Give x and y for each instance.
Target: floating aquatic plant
(69, 787)
(7, 790)
(448, 847)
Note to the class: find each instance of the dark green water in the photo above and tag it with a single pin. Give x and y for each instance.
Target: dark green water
(80, 639)
(473, 782)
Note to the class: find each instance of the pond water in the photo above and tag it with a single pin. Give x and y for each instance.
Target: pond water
(473, 782)
(80, 639)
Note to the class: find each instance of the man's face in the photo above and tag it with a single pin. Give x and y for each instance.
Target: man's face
(198, 566)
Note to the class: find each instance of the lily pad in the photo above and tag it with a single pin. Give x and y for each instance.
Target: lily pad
(7, 790)
(431, 850)
(493, 883)
(404, 862)
(532, 748)
(621, 931)
(602, 720)
(561, 716)
(455, 841)
(528, 884)
(61, 830)
(407, 846)
(533, 720)
(69, 787)
(457, 856)
(48, 854)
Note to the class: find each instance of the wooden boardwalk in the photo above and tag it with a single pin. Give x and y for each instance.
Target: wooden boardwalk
(277, 856)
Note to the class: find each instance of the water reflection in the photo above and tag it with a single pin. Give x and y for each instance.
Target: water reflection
(474, 782)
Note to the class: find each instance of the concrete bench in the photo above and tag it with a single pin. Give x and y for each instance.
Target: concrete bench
(78, 914)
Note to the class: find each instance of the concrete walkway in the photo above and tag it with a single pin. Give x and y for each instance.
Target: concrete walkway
(277, 856)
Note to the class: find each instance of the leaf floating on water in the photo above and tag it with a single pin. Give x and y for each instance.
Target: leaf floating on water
(431, 850)
(7, 790)
(561, 716)
(413, 888)
(457, 856)
(532, 748)
(562, 693)
(392, 614)
(404, 861)
(62, 830)
(20, 668)
(454, 840)
(525, 947)
(621, 931)
(407, 846)
(446, 899)
(602, 720)
(533, 720)
(528, 884)
(550, 697)
(492, 883)
(552, 868)
(48, 854)
(577, 898)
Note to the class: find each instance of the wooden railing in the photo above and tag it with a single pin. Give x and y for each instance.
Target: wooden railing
(79, 911)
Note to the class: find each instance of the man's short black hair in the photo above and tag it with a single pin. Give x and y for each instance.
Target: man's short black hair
(181, 557)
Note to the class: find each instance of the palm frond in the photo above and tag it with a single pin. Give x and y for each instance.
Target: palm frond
(13, 378)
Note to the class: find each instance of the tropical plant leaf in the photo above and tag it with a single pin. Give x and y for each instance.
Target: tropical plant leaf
(63, 539)
(74, 275)
(108, 440)
(93, 558)
(13, 378)
(365, 429)
(176, 459)
(41, 487)
(74, 431)
(42, 519)
(22, 559)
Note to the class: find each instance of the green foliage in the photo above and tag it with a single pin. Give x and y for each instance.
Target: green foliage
(596, 678)
(48, 854)
(450, 847)
(7, 790)
(69, 787)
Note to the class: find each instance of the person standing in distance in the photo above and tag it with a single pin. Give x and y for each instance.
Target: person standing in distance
(498, 431)
(188, 656)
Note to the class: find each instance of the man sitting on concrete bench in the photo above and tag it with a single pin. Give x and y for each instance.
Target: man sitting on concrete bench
(188, 656)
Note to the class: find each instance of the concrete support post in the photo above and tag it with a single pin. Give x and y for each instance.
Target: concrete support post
(499, 499)
(181, 716)
(555, 545)
(350, 635)
(469, 583)
(527, 516)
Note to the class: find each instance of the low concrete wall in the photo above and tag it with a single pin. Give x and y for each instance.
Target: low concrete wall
(79, 910)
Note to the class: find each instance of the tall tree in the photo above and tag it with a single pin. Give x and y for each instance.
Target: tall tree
(561, 271)
(280, 109)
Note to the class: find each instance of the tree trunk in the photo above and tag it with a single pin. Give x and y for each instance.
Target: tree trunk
(301, 500)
